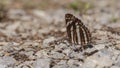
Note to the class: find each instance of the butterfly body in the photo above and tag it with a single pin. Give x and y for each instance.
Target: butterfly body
(77, 32)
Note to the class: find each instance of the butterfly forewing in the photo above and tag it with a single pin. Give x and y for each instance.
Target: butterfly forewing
(77, 32)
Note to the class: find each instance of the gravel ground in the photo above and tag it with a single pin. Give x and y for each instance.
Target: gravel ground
(36, 38)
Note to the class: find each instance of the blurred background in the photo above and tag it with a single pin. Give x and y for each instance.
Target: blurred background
(28, 26)
(37, 19)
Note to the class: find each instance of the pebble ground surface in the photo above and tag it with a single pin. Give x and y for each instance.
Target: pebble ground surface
(30, 38)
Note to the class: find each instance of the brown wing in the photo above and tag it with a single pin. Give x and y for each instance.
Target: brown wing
(77, 32)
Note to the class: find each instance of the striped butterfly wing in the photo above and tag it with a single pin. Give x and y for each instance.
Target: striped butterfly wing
(77, 32)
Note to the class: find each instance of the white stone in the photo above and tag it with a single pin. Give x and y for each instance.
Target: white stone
(74, 63)
(26, 64)
(42, 63)
(61, 66)
(61, 46)
(100, 62)
(114, 67)
(57, 55)
(62, 62)
(2, 66)
(41, 54)
(5, 61)
(99, 46)
(47, 41)
(67, 51)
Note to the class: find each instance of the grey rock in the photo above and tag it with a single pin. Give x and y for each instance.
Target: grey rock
(97, 61)
(47, 41)
(42, 63)
(6, 61)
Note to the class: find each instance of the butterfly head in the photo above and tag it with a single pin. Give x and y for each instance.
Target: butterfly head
(69, 17)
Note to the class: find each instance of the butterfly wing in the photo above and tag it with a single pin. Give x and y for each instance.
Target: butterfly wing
(77, 32)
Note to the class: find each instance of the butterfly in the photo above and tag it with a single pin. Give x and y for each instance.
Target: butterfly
(77, 32)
